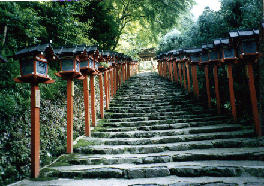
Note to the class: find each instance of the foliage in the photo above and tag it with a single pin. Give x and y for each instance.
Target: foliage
(233, 15)
(155, 17)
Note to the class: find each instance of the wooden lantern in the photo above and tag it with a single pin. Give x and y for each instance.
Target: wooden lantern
(34, 70)
(34, 64)
(87, 62)
(226, 50)
(69, 61)
(246, 41)
(194, 55)
(213, 53)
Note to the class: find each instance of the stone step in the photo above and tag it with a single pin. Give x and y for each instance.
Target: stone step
(160, 181)
(175, 123)
(156, 148)
(117, 128)
(171, 119)
(173, 139)
(156, 114)
(215, 168)
(170, 132)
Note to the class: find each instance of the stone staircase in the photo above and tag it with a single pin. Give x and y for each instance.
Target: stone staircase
(154, 134)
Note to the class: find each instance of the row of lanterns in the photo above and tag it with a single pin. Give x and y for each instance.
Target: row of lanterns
(239, 43)
(73, 61)
(76, 62)
(241, 46)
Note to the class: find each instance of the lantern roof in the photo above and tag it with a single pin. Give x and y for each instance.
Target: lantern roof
(41, 48)
(80, 48)
(2, 60)
(66, 51)
(91, 49)
(221, 41)
(107, 53)
(193, 51)
(243, 33)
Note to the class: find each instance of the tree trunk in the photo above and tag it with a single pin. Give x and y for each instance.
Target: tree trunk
(4, 38)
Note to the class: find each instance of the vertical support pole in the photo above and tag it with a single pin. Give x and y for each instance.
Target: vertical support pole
(115, 79)
(93, 110)
(184, 78)
(207, 86)
(35, 130)
(128, 70)
(179, 67)
(218, 101)
(253, 98)
(106, 89)
(108, 86)
(193, 79)
(101, 95)
(175, 71)
(188, 77)
(123, 73)
(196, 81)
(171, 70)
(86, 106)
(119, 76)
(70, 94)
(231, 91)
(112, 82)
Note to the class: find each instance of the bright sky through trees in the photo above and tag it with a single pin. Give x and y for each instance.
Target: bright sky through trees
(197, 9)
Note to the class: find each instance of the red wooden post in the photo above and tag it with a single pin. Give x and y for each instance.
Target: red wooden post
(218, 101)
(106, 89)
(93, 109)
(175, 71)
(101, 95)
(253, 98)
(128, 70)
(86, 106)
(120, 76)
(70, 94)
(207, 85)
(112, 82)
(123, 73)
(231, 91)
(184, 78)
(115, 79)
(193, 79)
(179, 67)
(196, 81)
(188, 77)
(35, 130)
(171, 70)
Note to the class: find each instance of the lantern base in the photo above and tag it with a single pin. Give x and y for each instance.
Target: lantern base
(88, 71)
(229, 60)
(34, 79)
(70, 75)
(249, 57)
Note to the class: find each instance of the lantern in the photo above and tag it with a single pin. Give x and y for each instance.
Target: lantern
(194, 55)
(34, 63)
(213, 53)
(246, 41)
(88, 63)
(69, 59)
(227, 51)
